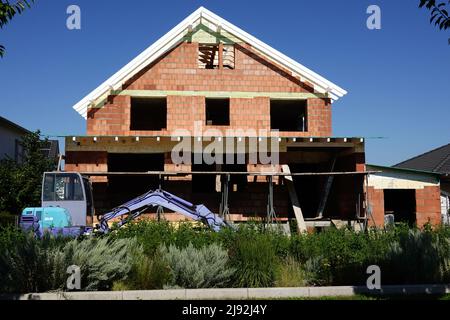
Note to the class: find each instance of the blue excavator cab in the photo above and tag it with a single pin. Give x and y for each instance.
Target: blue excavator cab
(50, 217)
(66, 203)
(54, 220)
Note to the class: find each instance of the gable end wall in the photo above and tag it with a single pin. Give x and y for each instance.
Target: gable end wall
(178, 71)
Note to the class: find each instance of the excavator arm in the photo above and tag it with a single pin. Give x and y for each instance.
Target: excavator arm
(134, 208)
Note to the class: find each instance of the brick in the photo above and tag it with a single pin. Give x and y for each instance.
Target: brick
(178, 70)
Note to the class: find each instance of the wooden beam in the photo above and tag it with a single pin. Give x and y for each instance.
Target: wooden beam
(220, 55)
(301, 226)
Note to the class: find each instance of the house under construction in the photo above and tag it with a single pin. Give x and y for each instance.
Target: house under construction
(207, 81)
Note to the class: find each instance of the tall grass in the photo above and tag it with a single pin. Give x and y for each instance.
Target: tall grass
(290, 273)
(255, 259)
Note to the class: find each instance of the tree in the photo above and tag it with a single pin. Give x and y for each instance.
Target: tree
(439, 13)
(8, 10)
(20, 183)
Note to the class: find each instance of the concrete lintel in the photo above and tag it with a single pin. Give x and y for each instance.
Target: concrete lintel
(220, 94)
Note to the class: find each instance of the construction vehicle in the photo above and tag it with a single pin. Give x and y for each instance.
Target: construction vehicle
(67, 205)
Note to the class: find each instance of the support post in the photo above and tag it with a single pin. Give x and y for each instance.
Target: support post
(368, 208)
(160, 213)
(301, 225)
(160, 209)
(326, 193)
(224, 208)
(271, 216)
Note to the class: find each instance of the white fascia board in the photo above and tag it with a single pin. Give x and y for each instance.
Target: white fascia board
(172, 38)
(274, 54)
(147, 56)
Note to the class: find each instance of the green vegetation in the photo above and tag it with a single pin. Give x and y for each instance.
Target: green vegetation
(152, 255)
(9, 9)
(205, 267)
(255, 258)
(20, 185)
(438, 13)
(290, 274)
(28, 264)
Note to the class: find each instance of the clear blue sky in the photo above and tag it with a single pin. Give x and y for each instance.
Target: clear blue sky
(398, 78)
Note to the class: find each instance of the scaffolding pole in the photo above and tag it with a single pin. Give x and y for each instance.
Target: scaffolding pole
(224, 207)
(271, 216)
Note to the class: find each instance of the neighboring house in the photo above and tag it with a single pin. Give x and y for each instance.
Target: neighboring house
(437, 161)
(409, 196)
(11, 135)
(51, 150)
(202, 79)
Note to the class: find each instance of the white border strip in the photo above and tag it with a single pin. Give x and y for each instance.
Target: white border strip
(231, 293)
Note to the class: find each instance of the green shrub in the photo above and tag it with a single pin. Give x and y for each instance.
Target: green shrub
(152, 255)
(318, 271)
(417, 257)
(9, 237)
(148, 233)
(339, 256)
(148, 272)
(38, 265)
(290, 274)
(255, 259)
(196, 234)
(30, 264)
(7, 219)
(20, 185)
(205, 267)
(120, 285)
(102, 261)
(151, 234)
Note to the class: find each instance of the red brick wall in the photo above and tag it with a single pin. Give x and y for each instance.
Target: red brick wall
(360, 161)
(428, 205)
(178, 70)
(319, 118)
(112, 119)
(376, 202)
(87, 161)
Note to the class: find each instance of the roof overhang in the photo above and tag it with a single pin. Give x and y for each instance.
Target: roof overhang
(395, 169)
(176, 35)
(15, 126)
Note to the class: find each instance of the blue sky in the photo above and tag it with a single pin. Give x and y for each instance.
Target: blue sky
(398, 78)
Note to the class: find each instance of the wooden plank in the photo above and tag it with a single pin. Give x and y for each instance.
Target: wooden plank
(320, 224)
(220, 55)
(301, 226)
